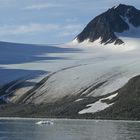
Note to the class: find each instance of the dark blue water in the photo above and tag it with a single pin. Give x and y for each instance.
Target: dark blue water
(69, 130)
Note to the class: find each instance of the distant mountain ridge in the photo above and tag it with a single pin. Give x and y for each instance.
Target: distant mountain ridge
(105, 26)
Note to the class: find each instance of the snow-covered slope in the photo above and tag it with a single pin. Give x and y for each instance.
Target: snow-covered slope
(67, 70)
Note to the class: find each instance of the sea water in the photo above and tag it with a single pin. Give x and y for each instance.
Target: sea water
(63, 129)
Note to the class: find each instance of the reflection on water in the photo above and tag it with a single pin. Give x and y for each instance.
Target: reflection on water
(69, 130)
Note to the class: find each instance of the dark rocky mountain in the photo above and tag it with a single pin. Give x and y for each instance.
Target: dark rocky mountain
(114, 20)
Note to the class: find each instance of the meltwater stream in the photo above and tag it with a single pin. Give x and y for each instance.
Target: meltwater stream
(69, 130)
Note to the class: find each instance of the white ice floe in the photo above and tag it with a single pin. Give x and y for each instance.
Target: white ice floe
(45, 123)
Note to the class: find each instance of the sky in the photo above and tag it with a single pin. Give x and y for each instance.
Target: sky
(50, 21)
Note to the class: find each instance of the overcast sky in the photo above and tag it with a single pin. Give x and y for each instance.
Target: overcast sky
(49, 21)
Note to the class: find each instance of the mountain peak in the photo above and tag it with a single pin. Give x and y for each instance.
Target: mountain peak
(124, 6)
(105, 26)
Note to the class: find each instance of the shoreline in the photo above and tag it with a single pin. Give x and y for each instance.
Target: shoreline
(69, 119)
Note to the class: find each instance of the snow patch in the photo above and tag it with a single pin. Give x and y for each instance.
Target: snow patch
(111, 96)
(78, 100)
(97, 44)
(98, 106)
